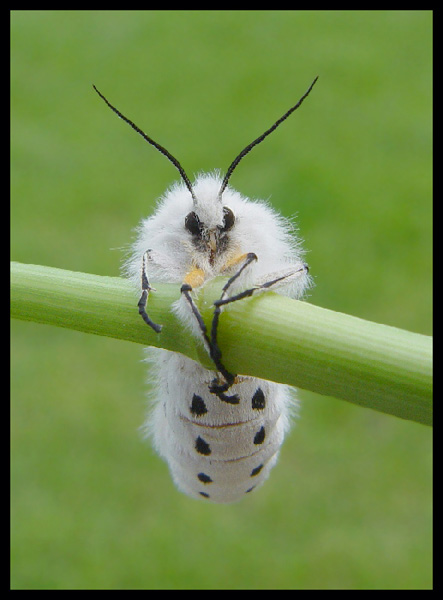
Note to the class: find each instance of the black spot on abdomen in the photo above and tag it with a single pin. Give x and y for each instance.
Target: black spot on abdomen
(258, 400)
(202, 447)
(259, 437)
(198, 406)
(256, 471)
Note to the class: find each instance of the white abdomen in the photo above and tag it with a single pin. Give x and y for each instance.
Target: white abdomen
(214, 449)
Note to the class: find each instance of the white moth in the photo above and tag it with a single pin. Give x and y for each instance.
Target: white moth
(219, 432)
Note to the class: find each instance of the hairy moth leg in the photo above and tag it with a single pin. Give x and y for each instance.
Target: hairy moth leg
(196, 277)
(246, 260)
(224, 299)
(275, 283)
(146, 288)
(186, 290)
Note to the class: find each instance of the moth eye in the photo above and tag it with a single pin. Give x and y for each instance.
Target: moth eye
(193, 224)
(228, 219)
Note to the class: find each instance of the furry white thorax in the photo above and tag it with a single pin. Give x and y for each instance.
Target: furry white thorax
(258, 228)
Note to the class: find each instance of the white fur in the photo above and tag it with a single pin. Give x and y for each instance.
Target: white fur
(239, 459)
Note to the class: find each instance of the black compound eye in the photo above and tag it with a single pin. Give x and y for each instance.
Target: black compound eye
(228, 219)
(193, 224)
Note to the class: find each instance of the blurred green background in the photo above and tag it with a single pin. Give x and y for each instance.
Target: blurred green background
(349, 505)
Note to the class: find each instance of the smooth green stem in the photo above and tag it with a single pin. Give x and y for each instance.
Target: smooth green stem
(267, 336)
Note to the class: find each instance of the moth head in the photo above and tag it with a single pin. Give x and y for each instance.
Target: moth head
(209, 223)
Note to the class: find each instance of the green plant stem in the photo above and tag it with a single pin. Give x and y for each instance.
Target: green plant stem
(267, 336)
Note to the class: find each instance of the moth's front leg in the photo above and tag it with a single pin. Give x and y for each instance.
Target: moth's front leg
(272, 282)
(244, 260)
(196, 276)
(146, 288)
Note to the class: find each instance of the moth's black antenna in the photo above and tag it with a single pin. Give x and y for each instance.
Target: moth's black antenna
(151, 141)
(260, 139)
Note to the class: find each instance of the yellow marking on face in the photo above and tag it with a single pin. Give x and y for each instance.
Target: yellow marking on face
(195, 277)
(234, 261)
